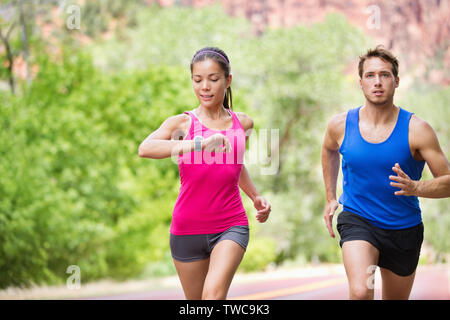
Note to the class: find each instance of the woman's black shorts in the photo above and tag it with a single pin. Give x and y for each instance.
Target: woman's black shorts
(187, 248)
(399, 249)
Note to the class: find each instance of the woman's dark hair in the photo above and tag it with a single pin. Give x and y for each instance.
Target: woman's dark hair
(221, 58)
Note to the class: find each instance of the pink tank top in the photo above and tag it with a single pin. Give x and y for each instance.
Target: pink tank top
(209, 200)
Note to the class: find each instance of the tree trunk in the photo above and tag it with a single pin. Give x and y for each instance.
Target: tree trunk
(24, 37)
(9, 56)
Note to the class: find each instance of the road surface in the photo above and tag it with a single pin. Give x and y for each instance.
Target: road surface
(431, 283)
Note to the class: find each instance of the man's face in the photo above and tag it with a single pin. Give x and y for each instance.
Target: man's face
(378, 82)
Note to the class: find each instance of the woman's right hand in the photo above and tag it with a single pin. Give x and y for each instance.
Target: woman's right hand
(216, 143)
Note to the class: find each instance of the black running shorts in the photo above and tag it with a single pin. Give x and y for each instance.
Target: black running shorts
(399, 249)
(187, 248)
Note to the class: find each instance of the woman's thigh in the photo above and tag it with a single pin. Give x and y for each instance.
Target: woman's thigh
(224, 261)
(192, 277)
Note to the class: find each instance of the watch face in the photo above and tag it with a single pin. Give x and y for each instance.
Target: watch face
(198, 143)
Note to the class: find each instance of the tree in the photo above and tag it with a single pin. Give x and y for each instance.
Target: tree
(6, 40)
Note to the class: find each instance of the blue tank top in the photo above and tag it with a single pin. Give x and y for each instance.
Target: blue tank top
(366, 169)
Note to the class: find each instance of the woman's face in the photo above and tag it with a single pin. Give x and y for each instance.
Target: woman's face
(209, 82)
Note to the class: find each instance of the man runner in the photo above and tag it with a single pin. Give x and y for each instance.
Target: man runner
(384, 149)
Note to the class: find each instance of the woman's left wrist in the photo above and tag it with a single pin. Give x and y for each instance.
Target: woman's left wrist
(255, 197)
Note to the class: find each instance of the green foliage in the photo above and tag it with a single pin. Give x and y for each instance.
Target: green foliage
(99, 14)
(74, 190)
(260, 253)
(171, 36)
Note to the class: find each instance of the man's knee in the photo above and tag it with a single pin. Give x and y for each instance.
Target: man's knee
(361, 292)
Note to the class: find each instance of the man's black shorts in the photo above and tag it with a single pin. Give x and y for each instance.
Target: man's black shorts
(399, 249)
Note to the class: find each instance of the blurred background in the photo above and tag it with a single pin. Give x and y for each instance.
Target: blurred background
(82, 83)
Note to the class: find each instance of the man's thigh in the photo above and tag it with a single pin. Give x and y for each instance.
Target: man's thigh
(396, 287)
(360, 261)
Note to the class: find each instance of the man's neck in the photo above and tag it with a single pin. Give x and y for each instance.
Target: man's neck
(379, 113)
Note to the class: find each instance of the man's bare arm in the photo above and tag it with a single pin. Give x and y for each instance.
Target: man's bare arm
(438, 187)
(330, 166)
(426, 143)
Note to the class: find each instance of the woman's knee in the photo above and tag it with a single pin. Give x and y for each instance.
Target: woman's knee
(211, 292)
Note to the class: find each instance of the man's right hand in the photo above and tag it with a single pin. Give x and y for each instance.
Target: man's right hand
(328, 214)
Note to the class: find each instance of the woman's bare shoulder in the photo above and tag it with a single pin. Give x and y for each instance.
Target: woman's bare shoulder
(245, 120)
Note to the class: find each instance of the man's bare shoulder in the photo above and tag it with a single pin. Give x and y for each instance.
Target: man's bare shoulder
(421, 133)
(419, 124)
(421, 129)
(336, 124)
(335, 131)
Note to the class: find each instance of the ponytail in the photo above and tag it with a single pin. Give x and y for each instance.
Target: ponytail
(228, 99)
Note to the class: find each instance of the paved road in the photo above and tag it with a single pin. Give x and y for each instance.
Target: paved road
(432, 283)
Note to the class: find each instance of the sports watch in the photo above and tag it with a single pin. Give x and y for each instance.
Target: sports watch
(198, 143)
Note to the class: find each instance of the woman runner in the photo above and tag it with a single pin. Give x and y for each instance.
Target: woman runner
(209, 231)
